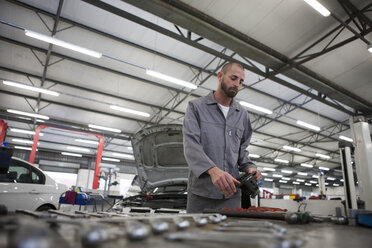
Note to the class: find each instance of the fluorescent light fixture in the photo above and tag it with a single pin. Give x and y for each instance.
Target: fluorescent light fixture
(287, 171)
(277, 175)
(130, 111)
(282, 181)
(269, 179)
(335, 184)
(87, 141)
(322, 156)
(300, 180)
(308, 184)
(32, 88)
(16, 130)
(307, 125)
(286, 178)
(62, 43)
(105, 128)
(171, 79)
(24, 148)
(80, 149)
(313, 182)
(28, 114)
(281, 160)
(306, 165)
(318, 7)
(255, 107)
(324, 168)
(111, 159)
(264, 174)
(341, 180)
(331, 178)
(326, 183)
(121, 155)
(24, 141)
(253, 155)
(268, 169)
(71, 154)
(296, 183)
(301, 173)
(345, 138)
(315, 176)
(370, 48)
(292, 148)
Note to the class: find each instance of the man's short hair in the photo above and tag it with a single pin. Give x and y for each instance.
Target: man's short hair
(228, 65)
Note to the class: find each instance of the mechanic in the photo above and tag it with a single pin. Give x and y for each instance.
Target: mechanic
(216, 133)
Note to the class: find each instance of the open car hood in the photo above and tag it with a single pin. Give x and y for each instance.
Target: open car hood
(159, 156)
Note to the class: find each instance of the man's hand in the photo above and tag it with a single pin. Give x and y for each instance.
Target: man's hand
(258, 175)
(223, 181)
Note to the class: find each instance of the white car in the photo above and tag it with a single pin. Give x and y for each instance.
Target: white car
(28, 187)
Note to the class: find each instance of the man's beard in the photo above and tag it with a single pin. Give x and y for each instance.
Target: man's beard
(230, 92)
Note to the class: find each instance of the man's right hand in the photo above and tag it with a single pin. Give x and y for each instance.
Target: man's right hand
(223, 181)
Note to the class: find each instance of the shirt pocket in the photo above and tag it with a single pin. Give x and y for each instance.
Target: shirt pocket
(236, 139)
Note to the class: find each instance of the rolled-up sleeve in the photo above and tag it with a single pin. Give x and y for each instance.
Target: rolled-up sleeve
(196, 158)
(244, 160)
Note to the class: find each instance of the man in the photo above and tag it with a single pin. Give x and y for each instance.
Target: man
(216, 134)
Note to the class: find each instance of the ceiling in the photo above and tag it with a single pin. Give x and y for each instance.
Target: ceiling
(299, 64)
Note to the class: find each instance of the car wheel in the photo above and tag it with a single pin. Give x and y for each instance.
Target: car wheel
(44, 208)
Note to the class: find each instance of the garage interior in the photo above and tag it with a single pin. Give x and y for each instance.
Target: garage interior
(134, 64)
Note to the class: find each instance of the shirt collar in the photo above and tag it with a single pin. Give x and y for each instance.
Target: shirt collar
(212, 100)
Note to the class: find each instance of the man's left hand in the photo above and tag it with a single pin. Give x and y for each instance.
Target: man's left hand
(258, 175)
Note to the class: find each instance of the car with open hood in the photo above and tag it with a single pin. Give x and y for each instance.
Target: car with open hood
(161, 167)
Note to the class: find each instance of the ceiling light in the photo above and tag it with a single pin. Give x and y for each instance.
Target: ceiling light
(335, 184)
(269, 179)
(277, 175)
(310, 126)
(268, 169)
(313, 182)
(341, 180)
(306, 165)
(282, 181)
(255, 107)
(171, 79)
(286, 178)
(331, 178)
(264, 174)
(287, 171)
(301, 173)
(24, 148)
(32, 88)
(131, 111)
(318, 7)
(16, 130)
(111, 159)
(296, 183)
(326, 183)
(62, 43)
(324, 168)
(121, 155)
(24, 141)
(105, 128)
(75, 148)
(27, 114)
(87, 141)
(300, 180)
(71, 154)
(292, 148)
(253, 155)
(370, 48)
(322, 156)
(345, 138)
(281, 160)
(315, 176)
(308, 184)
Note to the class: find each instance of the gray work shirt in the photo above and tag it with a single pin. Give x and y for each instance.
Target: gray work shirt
(211, 140)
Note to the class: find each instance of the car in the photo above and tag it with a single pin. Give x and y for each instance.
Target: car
(24, 186)
(161, 167)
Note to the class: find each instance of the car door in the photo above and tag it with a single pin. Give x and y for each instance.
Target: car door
(25, 187)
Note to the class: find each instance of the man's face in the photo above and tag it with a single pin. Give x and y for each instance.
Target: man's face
(232, 80)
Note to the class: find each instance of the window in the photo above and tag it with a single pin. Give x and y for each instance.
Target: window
(24, 173)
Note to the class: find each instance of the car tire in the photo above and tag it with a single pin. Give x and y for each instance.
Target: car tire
(44, 208)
